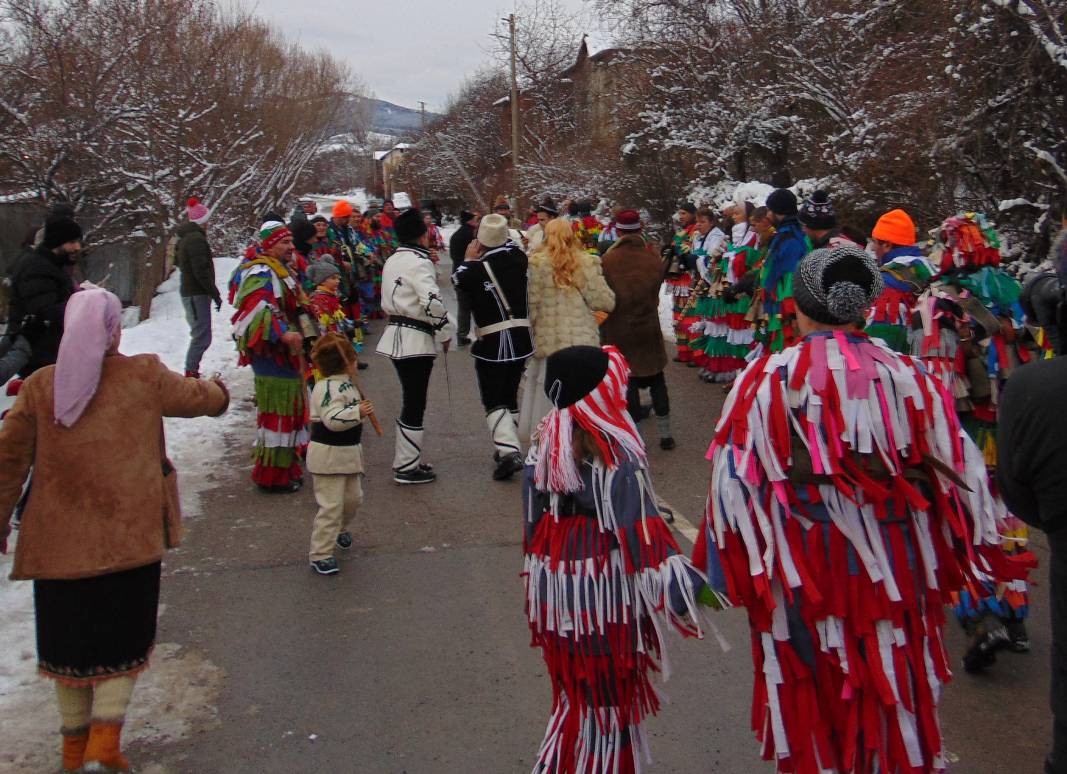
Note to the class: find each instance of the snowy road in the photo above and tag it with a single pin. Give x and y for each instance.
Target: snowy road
(416, 657)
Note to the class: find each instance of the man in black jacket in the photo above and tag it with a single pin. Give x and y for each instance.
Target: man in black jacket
(1031, 449)
(457, 248)
(198, 288)
(493, 277)
(40, 286)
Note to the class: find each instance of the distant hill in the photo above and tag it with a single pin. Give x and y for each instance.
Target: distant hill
(396, 120)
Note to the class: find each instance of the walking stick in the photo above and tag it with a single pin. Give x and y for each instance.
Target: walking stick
(353, 372)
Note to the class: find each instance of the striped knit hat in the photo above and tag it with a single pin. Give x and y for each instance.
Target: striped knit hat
(272, 232)
(587, 386)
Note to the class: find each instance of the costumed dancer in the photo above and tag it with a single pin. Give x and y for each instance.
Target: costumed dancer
(845, 504)
(778, 328)
(494, 278)
(418, 322)
(588, 228)
(905, 274)
(705, 247)
(982, 299)
(268, 300)
(729, 334)
(603, 576)
(679, 279)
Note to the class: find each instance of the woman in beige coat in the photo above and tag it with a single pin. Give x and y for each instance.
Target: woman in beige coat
(567, 298)
(95, 525)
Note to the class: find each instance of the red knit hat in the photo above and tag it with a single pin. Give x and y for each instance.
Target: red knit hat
(895, 227)
(628, 220)
(342, 208)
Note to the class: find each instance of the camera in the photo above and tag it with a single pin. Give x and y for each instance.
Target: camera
(1044, 300)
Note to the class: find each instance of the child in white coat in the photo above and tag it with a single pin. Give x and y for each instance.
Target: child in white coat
(335, 454)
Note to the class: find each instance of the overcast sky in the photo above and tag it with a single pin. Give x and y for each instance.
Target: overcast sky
(405, 51)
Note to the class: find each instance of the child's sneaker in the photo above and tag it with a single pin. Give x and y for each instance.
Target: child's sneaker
(327, 566)
(344, 540)
(1020, 640)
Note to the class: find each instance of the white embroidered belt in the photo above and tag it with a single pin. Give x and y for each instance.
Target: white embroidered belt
(515, 322)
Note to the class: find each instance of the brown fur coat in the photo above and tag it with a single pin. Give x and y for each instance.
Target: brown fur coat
(96, 505)
(634, 271)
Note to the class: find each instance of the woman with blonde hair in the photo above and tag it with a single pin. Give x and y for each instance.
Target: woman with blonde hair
(568, 297)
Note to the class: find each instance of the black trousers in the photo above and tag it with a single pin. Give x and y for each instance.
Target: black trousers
(657, 384)
(463, 314)
(1057, 543)
(414, 373)
(498, 383)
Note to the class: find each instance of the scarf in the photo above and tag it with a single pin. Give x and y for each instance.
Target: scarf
(92, 319)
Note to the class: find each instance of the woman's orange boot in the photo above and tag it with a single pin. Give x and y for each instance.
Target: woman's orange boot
(74, 743)
(102, 752)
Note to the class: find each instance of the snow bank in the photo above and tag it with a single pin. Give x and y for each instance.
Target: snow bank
(179, 690)
(733, 192)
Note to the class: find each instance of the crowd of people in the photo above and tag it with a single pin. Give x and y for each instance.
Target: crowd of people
(856, 473)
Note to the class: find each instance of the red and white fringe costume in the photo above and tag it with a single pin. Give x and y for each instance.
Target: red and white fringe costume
(845, 505)
(604, 581)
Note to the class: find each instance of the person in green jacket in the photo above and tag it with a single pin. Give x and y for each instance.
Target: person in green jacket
(198, 288)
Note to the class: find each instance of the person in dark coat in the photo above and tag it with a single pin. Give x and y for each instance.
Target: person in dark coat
(493, 277)
(40, 287)
(1031, 447)
(634, 271)
(198, 289)
(457, 248)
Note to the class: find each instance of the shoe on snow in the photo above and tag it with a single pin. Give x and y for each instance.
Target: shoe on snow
(362, 366)
(344, 540)
(327, 566)
(507, 466)
(416, 476)
(666, 443)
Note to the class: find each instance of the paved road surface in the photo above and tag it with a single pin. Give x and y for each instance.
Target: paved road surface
(416, 657)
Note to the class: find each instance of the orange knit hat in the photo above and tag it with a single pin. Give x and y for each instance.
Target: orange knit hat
(342, 209)
(895, 227)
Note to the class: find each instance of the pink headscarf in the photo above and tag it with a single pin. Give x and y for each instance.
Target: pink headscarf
(90, 323)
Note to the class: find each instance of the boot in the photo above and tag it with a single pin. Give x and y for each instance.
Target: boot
(102, 750)
(508, 454)
(74, 743)
(666, 440)
(406, 458)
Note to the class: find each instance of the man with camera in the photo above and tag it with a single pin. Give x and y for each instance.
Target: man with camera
(1031, 447)
(40, 287)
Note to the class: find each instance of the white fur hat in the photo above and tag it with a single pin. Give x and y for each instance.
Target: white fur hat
(493, 230)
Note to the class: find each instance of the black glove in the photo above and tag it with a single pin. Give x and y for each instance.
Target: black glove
(218, 304)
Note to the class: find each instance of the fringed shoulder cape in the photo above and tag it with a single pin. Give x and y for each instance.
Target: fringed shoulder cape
(845, 505)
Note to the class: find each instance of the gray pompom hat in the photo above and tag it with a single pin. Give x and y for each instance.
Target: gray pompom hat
(837, 286)
(320, 271)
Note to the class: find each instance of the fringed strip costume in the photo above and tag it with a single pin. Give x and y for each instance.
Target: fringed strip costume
(604, 578)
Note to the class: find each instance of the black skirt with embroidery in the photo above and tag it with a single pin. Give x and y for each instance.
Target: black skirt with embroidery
(91, 629)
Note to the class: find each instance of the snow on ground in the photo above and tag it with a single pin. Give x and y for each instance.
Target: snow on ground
(357, 197)
(178, 691)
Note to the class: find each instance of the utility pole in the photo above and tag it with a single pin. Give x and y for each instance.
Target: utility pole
(514, 116)
(422, 116)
